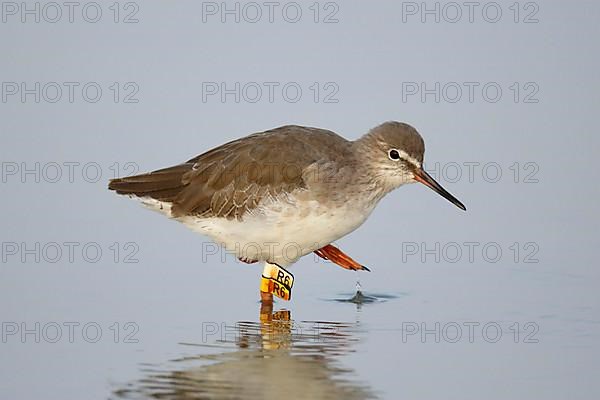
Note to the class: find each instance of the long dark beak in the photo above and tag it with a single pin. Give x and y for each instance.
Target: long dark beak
(427, 180)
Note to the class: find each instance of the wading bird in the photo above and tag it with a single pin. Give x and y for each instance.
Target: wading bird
(278, 195)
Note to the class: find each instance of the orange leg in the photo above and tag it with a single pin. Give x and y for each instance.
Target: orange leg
(337, 256)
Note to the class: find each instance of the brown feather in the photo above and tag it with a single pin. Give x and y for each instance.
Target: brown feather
(232, 179)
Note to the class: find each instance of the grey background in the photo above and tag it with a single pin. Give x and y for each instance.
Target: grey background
(367, 55)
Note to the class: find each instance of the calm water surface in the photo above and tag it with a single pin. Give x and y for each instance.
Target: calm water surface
(197, 331)
(274, 358)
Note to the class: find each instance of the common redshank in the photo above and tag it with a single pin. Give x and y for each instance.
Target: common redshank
(278, 195)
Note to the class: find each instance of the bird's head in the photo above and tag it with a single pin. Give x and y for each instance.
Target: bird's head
(393, 152)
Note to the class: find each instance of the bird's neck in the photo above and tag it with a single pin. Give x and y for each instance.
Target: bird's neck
(371, 174)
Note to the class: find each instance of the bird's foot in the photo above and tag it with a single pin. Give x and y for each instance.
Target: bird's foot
(338, 257)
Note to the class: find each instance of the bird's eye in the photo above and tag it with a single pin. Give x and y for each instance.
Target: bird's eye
(394, 155)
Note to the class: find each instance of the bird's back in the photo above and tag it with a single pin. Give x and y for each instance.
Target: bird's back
(232, 179)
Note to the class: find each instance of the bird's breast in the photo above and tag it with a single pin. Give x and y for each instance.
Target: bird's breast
(284, 229)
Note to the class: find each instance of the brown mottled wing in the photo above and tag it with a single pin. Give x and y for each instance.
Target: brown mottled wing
(231, 179)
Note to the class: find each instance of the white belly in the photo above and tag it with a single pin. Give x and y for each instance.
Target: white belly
(280, 232)
(280, 237)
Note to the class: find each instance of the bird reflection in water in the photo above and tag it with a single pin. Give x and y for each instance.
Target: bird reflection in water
(275, 358)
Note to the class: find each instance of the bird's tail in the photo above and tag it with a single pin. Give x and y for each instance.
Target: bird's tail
(163, 185)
